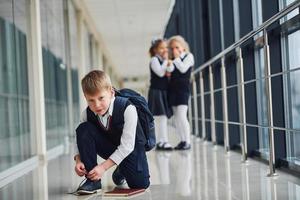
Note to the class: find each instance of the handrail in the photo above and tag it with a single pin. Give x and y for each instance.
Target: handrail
(241, 83)
(251, 34)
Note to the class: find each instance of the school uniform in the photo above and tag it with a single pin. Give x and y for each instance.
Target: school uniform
(179, 87)
(157, 96)
(116, 135)
(179, 94)
(158, 100)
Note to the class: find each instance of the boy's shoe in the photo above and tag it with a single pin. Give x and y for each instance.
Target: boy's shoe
(183, 145)
(89, 187)
(118, 178)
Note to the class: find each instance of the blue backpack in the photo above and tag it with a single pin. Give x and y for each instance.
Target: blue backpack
(145, 116)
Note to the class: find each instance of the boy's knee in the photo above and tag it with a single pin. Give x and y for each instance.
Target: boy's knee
(139, 183)
(83, 129)
(147, 184)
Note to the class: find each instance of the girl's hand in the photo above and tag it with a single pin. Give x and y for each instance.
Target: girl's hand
(168, 74)
(176, 53)
(165, 55)
(80, 169)
(96, 173)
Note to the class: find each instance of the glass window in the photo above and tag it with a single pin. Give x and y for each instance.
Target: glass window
(87, 48)
(90, 50)
(256, 13)
(291, 61)
(55, 81)
(261, 101)
(260, 84)
(236, 18)
(15, 136)
(221, 23)
(74, 61)
(283, 4)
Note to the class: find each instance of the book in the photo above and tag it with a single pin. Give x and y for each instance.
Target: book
(120, 192)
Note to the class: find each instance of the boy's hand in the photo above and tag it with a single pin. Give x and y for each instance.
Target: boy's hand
(80, 169)
(96, 173)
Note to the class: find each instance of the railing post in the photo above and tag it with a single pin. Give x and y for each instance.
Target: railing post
(190, 114)
(202, 106)
(225, 104)
(269, 106)
(242, 105)
(196, 119)
(212, 106)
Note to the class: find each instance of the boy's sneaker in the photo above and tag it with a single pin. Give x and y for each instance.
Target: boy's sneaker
(89, 187)
(118, 178)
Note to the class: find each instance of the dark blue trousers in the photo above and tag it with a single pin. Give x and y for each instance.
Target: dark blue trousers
(92, 141)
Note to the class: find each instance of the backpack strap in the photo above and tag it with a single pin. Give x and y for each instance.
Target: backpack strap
(120, 105)
(91, 117)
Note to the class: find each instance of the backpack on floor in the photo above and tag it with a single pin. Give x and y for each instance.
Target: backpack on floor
(144, 114)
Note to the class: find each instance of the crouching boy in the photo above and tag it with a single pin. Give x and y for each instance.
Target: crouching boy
(109, 128)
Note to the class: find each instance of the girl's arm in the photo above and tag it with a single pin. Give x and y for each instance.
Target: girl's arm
(170, 67)
(184, 65)
(157, 68)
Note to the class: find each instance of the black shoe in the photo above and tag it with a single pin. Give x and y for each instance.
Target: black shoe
(180, 145)
(164, 146)
(159, 145)
(89, 187)
(187, 146)
(118, 178)
(183, 146)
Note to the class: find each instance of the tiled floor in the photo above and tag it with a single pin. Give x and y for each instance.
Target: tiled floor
(205, 172)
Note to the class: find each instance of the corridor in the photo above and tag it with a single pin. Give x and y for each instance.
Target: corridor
(205, 172)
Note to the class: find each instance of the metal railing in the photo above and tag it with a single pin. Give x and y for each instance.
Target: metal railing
(237, 47)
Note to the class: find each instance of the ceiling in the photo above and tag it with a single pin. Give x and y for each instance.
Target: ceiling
(127, 27)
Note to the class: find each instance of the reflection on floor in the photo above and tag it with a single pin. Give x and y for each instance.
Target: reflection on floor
(205, 172)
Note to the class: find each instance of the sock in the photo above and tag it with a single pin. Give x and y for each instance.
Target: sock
(184, 123)
(160, 123)
(178, 128)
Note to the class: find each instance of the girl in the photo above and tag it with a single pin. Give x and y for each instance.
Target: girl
(179, 88)
(160, 68)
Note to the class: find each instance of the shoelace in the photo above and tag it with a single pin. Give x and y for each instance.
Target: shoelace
(80, 184)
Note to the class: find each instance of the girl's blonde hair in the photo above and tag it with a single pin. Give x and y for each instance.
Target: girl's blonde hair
(95, 81)
(180, 40)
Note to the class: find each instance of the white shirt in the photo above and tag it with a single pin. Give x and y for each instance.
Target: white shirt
(184, 65)
(160, 69)
(128, 135)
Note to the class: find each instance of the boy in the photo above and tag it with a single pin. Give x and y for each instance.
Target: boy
(110, 128)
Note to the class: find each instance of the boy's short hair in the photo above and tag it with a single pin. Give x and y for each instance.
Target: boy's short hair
(95, 81)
